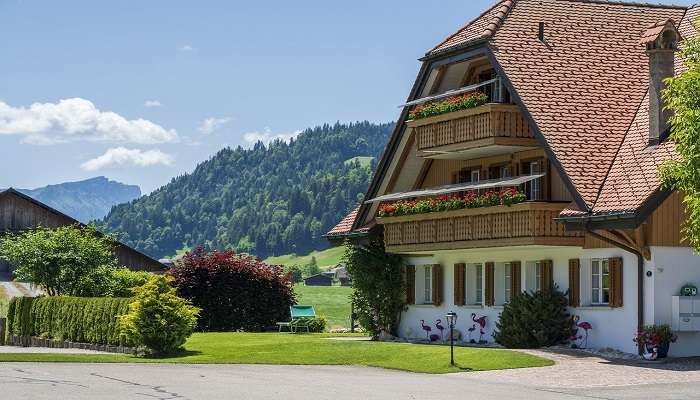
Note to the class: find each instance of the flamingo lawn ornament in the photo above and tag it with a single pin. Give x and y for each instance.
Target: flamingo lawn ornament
(482, 324)
(426, 328)
(438, 324)
(471, 330)
(586, 326)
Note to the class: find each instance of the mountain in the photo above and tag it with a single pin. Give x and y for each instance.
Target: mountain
(268, 200)
(86, 200)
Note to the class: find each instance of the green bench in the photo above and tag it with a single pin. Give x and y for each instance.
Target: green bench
(301, 316)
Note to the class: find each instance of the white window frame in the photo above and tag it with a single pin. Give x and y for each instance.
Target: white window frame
(479, 292)
(505, 171)
(507, 280)
(475, 175)
(538, 276)
(535, 190)
(598, 279)
(428, 282)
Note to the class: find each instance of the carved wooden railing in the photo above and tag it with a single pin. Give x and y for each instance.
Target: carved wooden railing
(521, 224)
(489, 121)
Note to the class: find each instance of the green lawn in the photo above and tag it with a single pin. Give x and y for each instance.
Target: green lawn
(333, 302)
(364, 161)
(325, 258)
(310, 349)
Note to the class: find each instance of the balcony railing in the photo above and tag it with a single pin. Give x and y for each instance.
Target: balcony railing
(490, 124)
(530, 223)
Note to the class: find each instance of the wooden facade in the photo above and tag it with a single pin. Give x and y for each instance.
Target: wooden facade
(487, 125)
(530, 223)
(19, 212)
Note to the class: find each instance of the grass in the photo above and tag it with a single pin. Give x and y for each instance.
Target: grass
(324, 258)
(313, 349)
(364, 161)
(333, 302)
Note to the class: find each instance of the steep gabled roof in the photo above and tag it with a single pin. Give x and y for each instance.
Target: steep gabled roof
(584, 84)
(345, 226)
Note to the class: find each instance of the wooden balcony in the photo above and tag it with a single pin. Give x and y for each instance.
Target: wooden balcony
(530, 223)
(487, 130)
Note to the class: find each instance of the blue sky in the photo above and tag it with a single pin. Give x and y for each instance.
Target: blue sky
(141, 91)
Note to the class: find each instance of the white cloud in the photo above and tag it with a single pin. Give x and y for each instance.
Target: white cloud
(121, 156)
(78, 119)
(186, 47)
(152, 103)
(266, 136)
(209, 125)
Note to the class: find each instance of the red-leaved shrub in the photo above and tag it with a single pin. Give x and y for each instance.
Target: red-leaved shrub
(234, 291)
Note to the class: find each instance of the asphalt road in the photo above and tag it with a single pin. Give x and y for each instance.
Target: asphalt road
(161, 381)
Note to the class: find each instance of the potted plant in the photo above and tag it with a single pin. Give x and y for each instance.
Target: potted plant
(657, 337)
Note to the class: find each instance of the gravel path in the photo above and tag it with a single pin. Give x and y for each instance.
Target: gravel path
(39, 350)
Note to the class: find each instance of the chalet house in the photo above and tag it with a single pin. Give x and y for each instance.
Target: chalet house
(19, 212)
(569, 113)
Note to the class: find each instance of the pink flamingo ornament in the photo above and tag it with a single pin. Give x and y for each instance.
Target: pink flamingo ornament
(482, 324)
(471, 330)
(438, 324)
(426, 328)
(586, 326)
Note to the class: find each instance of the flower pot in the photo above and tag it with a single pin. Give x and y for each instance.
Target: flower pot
(661, 348)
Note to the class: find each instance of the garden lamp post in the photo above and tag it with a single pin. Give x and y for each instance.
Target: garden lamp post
(451, 319)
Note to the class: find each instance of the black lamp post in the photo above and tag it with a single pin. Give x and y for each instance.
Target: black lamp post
(451, 319)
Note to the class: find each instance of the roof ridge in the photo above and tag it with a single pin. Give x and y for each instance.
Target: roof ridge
(496, 4)
(634, 4)
(497, 20)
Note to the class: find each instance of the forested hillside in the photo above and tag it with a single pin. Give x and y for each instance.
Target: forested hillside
(268, 200)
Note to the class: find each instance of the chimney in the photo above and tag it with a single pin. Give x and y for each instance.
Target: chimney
(661, 42)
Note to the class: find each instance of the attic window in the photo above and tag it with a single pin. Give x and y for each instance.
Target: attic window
(540, 34)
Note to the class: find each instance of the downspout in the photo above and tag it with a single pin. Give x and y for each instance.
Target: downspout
(640, 279)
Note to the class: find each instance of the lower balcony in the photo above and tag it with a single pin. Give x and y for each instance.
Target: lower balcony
(530, 223)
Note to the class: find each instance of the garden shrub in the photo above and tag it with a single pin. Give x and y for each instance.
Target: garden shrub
(158, 319)
(121, 281)
(318, 324)
(533, 320)
(75, 319)
(234, 292)
(380, 288)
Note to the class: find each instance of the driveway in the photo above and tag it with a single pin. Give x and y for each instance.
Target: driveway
(574, 377)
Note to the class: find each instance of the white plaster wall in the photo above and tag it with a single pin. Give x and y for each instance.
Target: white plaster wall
(672, 267)
(613, 328)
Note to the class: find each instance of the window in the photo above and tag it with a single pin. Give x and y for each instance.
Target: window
(538, 276)
(428, 288)
(475, 284)
(479, 291)
(474, 175)
(535, 192)
(600, 281)
(505, 171)
(507, 281)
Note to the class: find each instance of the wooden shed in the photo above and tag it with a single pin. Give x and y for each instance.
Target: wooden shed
(19, 212)
(319, 280)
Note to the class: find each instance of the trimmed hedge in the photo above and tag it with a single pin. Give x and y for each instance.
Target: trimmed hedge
(74, 319)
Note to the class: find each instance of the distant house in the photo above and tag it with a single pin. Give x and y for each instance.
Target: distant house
(340, 272)
(19, 212)
(322, 279)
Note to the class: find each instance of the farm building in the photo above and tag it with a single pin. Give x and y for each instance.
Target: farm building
(19, 212)
(322, 279)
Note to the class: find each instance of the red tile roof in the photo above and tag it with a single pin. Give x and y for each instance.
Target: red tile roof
(482, 27)
(584, 83)
(344, 226)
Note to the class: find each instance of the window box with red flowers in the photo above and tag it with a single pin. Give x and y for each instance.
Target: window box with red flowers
(506, 197)
(456, 103)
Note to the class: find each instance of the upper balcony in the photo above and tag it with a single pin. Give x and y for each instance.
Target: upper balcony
(483, 131)
(470, 122)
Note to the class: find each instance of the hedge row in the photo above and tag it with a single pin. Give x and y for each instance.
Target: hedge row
(74, 319)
